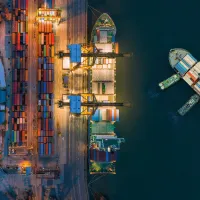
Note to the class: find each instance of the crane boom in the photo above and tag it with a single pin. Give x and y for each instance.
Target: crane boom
(97, 104)
(97, 54)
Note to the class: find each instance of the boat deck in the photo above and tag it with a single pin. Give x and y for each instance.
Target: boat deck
(175, 55)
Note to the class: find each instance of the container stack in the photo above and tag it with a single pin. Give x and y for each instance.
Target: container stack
(19, 72)
(45, 79)
(106, 115)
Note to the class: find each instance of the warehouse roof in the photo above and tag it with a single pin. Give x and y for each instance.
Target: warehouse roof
(2, 76)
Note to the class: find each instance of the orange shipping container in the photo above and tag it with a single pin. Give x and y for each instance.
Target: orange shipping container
(39, 74)
(50, 30)
(13, 38)
(26, 75)
(23, 136)
(192, 76)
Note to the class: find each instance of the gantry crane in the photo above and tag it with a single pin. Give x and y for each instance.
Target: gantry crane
(91, 51)
(87, 104)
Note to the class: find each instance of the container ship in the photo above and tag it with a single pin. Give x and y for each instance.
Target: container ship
(104, 143)
(187, 68)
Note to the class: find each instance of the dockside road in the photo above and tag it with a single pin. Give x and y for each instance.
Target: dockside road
(73, 141)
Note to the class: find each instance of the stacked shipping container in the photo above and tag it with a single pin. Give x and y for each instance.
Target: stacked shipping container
(45, 88)
(19, 72)
(106, 115)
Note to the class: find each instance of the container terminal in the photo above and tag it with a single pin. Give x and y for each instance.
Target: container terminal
(187, 68)
(58, 105)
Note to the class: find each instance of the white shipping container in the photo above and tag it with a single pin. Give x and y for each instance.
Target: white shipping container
(188, 61)
(105, 48)
(103, 114)
(197, 69)
(105, 66)
(191, 59)
(197, 88)
(197, 66)
(185, 66)
(187, 79)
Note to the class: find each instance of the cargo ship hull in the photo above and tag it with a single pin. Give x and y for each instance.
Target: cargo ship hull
(102, 84)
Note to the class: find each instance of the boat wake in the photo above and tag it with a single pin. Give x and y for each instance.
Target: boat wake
(153, 93)
(174, 117)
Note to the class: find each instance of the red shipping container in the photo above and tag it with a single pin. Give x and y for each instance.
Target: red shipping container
(26, 5)
(53, 3)
(19, 6)
(52, 38)
(46, 149)
(49, 38)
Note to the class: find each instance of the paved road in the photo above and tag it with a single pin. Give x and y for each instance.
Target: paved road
(32, 69)
(74, 129)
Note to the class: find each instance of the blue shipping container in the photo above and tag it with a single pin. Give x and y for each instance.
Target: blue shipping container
(49, 148)
(181, 69)
(192, 57)
(107, 159)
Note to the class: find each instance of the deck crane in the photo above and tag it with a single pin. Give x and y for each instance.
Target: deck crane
(89, 51)
(87, 104)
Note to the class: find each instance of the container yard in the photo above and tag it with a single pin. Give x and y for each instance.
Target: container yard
(19, 73)
(45, 84)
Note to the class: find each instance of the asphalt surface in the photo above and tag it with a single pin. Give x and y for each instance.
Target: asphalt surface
(32, 71)
(73, 142)
(71, 146)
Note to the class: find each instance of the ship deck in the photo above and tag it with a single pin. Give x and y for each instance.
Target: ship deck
(175, 55)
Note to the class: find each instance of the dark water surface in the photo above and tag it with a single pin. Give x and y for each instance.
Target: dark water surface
(161, 157)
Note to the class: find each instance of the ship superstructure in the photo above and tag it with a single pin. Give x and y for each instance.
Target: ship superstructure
(186, 67)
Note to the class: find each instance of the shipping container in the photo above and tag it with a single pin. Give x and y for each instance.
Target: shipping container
(181, 68)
